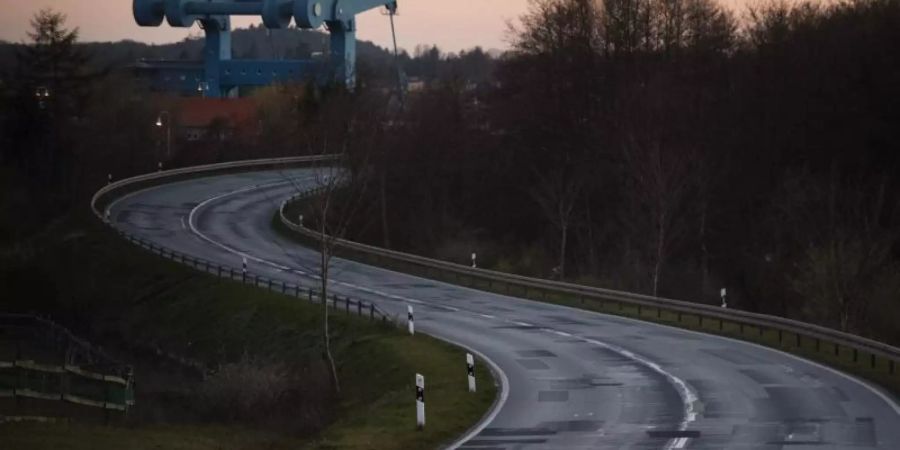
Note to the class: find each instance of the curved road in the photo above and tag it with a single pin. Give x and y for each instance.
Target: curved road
(573, 379)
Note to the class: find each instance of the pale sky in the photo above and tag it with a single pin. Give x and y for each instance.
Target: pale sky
(451, 24)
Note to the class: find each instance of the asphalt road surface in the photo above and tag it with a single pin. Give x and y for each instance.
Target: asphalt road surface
(572, 379)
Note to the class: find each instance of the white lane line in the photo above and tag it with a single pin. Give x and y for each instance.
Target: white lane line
(192, 223)
(688, 397)
(504, 380)
(183, 226)
(486, 316)
(684, 391)
(498, 403)
(888, 400)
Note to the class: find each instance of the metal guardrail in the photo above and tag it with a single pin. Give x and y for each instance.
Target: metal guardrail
(83, 375)
(310, 293)
(134, 183)
(868, 357)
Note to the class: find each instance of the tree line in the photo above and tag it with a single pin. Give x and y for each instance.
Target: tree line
(671, 148)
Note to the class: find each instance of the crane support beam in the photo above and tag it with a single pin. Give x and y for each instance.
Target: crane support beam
(338, 16)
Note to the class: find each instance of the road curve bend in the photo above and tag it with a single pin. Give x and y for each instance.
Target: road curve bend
(573, 379)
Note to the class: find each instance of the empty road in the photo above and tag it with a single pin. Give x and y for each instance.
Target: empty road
(573, 379)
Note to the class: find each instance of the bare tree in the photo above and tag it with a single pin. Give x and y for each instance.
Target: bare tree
(348, 130)
(661, 183)
(557, 193)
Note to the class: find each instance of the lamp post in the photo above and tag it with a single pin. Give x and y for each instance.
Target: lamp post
(42, 94)
(159, 123)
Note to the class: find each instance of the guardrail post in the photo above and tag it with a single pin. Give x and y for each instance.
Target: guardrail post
(891, 366)
(297, 291)
(701, 320)
(837, 349)
(640, 309)
(721, 325)
(818, 345)
(371, 310)
(799, 342)
(872, 357)
(283, 287)
(309, 292)
(780, 337)
(359, 307)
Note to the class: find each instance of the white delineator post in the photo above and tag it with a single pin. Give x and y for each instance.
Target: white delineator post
(474, 265)
(409, 320)
(244, 268)
(109, 178)
(724, 300)
(470, 371)
(420, 401)
(159, 166)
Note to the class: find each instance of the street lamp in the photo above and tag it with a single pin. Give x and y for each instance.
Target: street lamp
(42, 94)
(159, 123)
(202, 88)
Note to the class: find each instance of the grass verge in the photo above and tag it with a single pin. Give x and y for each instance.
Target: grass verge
(126, 299)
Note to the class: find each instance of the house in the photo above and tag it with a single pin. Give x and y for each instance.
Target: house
(219, 119)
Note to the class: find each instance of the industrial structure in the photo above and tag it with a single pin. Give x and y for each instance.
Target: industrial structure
(220, 76)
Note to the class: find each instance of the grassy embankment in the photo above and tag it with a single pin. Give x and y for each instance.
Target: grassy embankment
(122, 297)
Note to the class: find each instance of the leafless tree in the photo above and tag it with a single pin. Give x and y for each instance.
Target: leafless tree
(557, 193)
(345, 129)
(661, 183)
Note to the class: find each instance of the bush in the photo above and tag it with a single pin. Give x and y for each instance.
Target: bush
(268, 394)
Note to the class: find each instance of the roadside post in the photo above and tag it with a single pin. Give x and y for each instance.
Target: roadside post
(470, 371)
(244, 269)
(420, 401)
(474, 264)
(724, 299)
(410, 325)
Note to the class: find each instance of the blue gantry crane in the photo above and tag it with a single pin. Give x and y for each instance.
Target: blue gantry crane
(219, 76)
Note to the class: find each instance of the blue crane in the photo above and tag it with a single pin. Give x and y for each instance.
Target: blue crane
(219, 75)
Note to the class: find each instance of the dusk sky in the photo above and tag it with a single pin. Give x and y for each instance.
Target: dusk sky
(451, 24)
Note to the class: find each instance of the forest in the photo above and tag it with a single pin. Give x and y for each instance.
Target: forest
(667, 147)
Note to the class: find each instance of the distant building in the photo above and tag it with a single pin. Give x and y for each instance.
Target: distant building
(217, 119)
